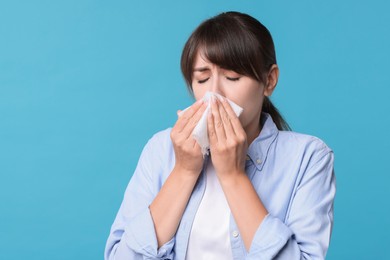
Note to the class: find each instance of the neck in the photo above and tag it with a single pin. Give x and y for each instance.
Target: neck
(252, 132)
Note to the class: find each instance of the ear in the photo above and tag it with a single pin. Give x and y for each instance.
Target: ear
(272, 80)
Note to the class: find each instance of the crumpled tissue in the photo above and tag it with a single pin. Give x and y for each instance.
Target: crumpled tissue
(200, 133)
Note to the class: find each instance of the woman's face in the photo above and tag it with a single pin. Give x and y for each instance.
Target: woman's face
(242, 90)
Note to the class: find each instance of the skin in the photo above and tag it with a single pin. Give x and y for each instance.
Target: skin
(229, 138)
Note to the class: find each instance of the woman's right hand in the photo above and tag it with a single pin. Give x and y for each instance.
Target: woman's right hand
(189, 158)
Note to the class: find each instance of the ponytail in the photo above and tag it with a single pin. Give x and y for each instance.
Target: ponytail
(279, 121)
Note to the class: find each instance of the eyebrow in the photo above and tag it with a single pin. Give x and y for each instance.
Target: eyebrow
(201, 69)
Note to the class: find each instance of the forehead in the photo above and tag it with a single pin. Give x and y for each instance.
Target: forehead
(211, 55)
(201, 60)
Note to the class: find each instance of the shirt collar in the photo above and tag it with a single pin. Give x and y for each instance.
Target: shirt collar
(258, 149)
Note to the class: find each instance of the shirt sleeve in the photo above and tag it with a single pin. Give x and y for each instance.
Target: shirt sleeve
(132, 234)
(305, 234)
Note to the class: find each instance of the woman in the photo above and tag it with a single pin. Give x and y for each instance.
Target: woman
(262, 193)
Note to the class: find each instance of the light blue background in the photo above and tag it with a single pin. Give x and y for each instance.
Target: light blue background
(84, 85)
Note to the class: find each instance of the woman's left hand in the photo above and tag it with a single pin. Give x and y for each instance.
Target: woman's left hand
(228, 140)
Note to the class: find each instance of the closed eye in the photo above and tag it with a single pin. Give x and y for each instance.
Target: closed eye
(233, 79)
(202, 81)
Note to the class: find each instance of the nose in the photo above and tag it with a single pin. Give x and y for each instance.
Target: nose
(215, 85)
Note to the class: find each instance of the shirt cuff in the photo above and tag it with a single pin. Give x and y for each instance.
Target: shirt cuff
(141, 237)
(270, 238)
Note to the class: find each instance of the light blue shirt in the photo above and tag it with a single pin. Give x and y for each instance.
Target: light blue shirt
(292, 174)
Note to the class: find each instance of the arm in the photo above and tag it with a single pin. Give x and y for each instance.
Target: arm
(168, 207)
(228, 147)
(148, 217)
(307, 228)
(132, 234)
(247, 209)
(305, 234)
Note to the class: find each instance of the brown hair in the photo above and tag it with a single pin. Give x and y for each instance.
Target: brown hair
(237, 42)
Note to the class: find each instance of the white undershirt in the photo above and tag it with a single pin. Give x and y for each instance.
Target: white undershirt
(209, 237)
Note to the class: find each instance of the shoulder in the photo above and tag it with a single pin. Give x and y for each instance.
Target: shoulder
(310, 149)
(303, 141)
(161, 138)
(159, 148)
(308, 156)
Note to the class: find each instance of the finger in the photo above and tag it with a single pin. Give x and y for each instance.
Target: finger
(187, 115)
(229, 131)
(234, 121)
(193, 121)
(211, 130)
(218, 124)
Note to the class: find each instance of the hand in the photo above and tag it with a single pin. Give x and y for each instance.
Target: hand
(228, 140)
(189, 158)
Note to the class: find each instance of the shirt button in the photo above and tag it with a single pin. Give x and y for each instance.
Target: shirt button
(259, 161)
(235, 233)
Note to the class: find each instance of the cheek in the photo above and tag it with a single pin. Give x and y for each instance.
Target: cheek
(198, 92)
(248, 101)
(252, 109)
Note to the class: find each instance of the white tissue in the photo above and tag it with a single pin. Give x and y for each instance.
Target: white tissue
(200, 133)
